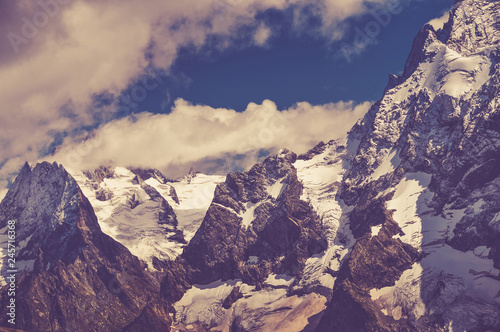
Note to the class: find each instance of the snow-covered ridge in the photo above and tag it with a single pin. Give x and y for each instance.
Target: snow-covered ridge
(457, 274)
(194, 195)
(445, 67)
(321, 177)
(268, 309)
(129, 213)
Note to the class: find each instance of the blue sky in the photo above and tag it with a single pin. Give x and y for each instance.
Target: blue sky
(298, 68)
(215, 84)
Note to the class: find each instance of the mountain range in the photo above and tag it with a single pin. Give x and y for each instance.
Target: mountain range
(395, 227)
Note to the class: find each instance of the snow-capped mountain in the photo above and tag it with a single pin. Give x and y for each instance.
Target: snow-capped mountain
(146, 212)
(424, 188)
(406, 202)
(395, 227)
(74, 277)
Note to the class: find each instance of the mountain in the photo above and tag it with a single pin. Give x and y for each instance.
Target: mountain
(424, 189)
(71, 275)
(152, 216)
(395, 227)
(406, 203)
(256, 214)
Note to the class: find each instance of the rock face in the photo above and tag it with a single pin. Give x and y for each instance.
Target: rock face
(75, 277)
(134, 212)
(428, 151)
(256, 214)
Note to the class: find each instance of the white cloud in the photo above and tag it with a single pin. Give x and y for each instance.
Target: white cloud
(262, 35)
(87, 47)
(439, 22)
(195, 135)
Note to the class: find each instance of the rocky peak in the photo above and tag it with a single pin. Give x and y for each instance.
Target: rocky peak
(145, 174)
(189, 175)
(256, 213)
(448, 86)
(422, 188)
(60, 243)
(45, 201)
(99, 174)
(473, 26)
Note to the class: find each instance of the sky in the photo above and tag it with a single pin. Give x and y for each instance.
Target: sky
(214, 84)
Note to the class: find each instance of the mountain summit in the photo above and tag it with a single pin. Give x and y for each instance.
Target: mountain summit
(74, 277)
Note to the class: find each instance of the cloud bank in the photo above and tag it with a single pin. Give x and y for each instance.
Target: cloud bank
(57, 55)
(200, 136)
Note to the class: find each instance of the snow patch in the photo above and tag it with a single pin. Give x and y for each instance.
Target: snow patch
(495, 222)
(266, 310)
(3, 193)
(439, 22)
(482, 251)
(253, 260)
(390, 163)
(277, 188)
(404, 204)
(249, 214)
(279, 280)
(375, 230)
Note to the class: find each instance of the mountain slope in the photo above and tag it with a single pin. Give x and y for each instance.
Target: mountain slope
(75, 277)
(406, 204)
(428, 156)
(152, 216)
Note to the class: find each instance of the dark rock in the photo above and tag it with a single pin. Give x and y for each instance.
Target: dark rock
(234, 296)
(82, 279)
(103, 194)
(98, 175)
(284, 232)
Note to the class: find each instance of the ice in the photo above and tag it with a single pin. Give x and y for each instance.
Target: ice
(375, 230)
(404, 204)
(321, 177)
(138, 228)
(266, 310)
(390, 163)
